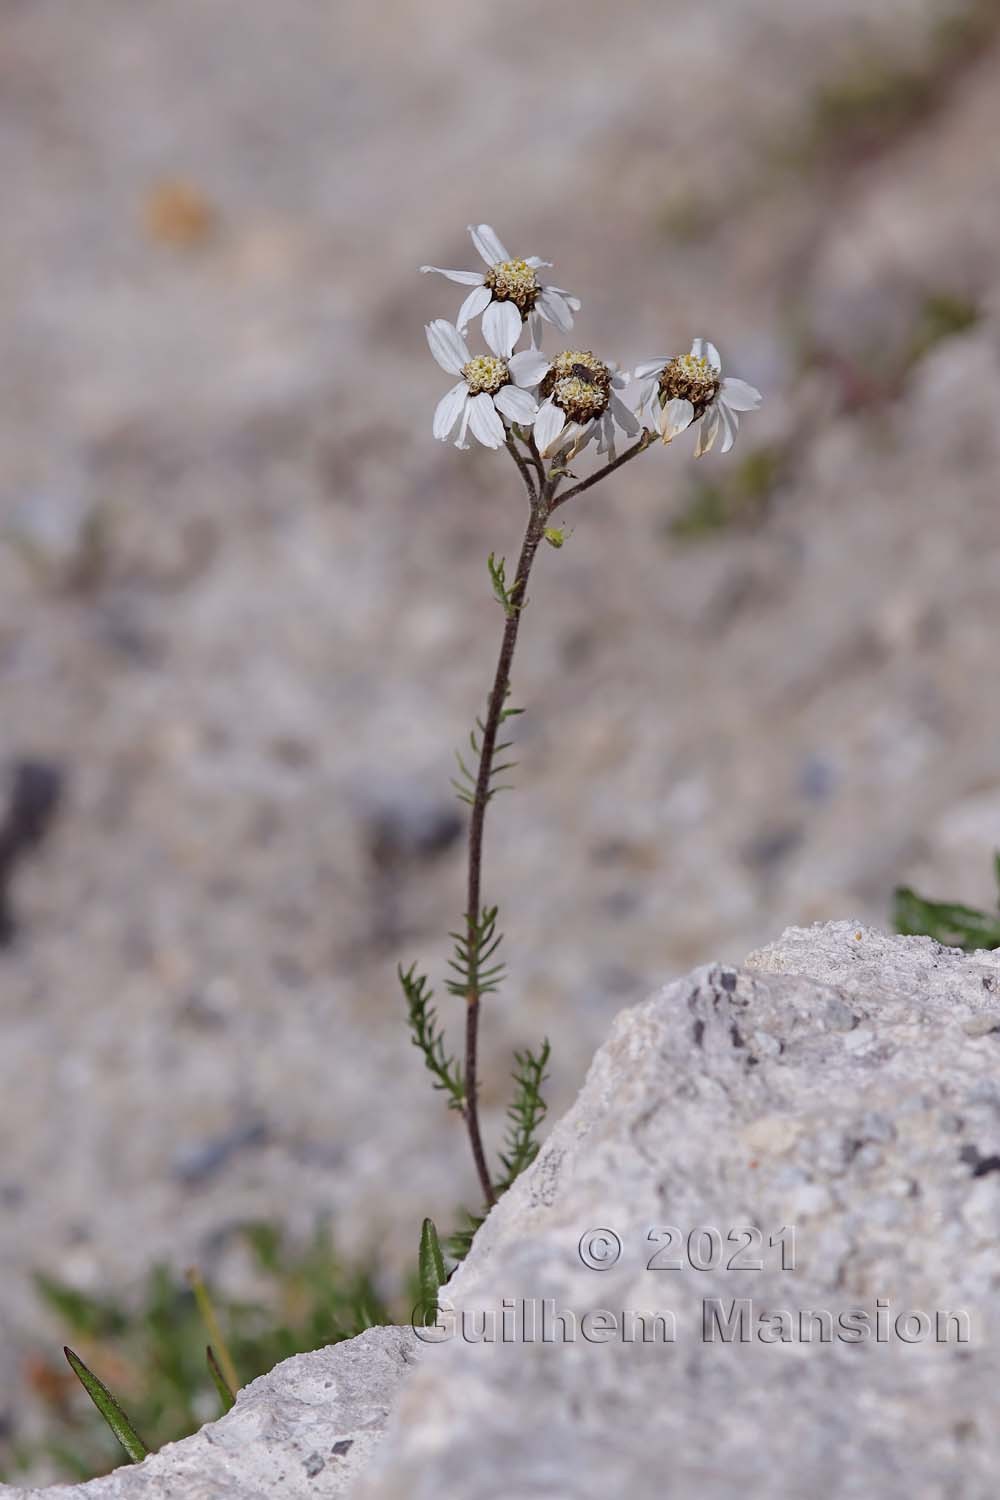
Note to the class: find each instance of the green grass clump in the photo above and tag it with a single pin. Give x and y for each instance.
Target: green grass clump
(151, 1352)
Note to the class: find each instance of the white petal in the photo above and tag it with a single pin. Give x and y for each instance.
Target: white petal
(447, 345)
(448, 409)
(702, 349)
(485, 423)
(528, 368)
(460, 441)
(568, 298)
(729, 421)
(675, 417)
(643, 395)
(535, 263)
(708, 432)
(485, 240)
(466, 278)
(739, 396)
(650, 367)
(580, 435)
(516, 404)
(606, 435)
(548, 426)
(535, 330)
(554, 309)
(626, 421)
(473, 305)
(502, 327)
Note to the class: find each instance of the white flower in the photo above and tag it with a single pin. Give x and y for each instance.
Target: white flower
(678, 389)
(580, 401)
(492, 386)
(509, 293)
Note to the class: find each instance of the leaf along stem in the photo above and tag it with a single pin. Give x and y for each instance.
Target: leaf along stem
(543, 500)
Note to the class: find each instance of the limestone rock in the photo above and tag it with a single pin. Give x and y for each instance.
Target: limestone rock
(827, 1111)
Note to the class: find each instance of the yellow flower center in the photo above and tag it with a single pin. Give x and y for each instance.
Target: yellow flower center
(486, 373)
(514, 281)
(579, 383)
(689, 377)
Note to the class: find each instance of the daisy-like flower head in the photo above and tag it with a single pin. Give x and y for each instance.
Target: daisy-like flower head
(492, 387)
(679, 389)
(580, 400)
(508, 293)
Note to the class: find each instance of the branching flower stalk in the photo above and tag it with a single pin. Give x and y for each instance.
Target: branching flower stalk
(544, 410)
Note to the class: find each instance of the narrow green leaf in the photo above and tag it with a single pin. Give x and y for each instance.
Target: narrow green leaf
(212, 1328)
(225, 1394)
(108, 1408)
(431, 1267)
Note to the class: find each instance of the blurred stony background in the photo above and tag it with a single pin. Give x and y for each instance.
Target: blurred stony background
(244, 610)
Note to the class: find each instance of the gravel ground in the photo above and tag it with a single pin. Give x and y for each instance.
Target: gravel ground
(244, 611)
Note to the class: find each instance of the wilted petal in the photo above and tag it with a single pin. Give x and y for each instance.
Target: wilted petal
(626, 421)
(568, 298)
(728, 421)
(465, 278)
(675, 417)
(535, 263)
(554, 309)
(579, 435)
(708, 432)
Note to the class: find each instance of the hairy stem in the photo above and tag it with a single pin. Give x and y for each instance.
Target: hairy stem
(637, 447)
(540, 505)
(543, 500)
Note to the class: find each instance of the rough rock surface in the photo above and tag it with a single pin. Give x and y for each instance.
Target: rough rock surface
(843, 1083)
(306, 1429)
(841, 1087)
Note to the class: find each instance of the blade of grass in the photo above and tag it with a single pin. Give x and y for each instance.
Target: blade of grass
(225, 1394)
(212, 1328)
(108, 1408)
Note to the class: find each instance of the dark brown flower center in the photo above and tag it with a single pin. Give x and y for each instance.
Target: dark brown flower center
(579, 384)
(689, 377)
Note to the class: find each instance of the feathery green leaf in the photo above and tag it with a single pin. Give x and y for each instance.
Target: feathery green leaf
(428, 1037)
